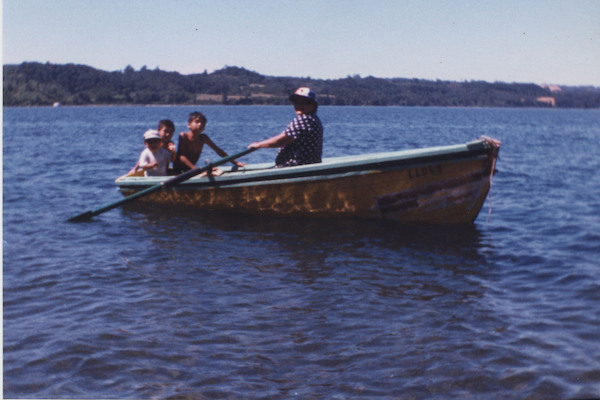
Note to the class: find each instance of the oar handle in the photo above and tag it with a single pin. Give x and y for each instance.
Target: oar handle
(167, 183)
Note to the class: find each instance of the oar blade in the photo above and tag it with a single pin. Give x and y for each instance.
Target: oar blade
(86, 216)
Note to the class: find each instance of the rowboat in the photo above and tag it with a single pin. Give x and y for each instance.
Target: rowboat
(444, 184)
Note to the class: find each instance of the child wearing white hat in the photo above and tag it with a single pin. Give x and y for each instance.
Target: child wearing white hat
(155, 159)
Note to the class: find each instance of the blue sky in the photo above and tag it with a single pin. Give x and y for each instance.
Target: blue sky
(549, 41)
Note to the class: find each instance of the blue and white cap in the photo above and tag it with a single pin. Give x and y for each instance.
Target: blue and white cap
(304, 92)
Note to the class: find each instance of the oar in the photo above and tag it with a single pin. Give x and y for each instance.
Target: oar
(167, 183)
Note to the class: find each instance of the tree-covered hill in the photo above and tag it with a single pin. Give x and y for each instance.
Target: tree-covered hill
(38, 84)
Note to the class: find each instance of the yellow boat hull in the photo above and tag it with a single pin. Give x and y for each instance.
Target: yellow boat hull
(431, 186)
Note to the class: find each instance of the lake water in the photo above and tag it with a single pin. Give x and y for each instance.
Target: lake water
(160, 304)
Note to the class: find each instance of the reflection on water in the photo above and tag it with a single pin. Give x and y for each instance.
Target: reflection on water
(330, 233)
(395, 259)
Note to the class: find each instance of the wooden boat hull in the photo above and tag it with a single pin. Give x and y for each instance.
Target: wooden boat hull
(435, 185)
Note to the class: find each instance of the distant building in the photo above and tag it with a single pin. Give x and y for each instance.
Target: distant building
(547, 100)
(552, 88)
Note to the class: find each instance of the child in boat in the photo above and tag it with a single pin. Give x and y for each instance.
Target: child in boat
(166, 129)
(155, 159)
(191, 144)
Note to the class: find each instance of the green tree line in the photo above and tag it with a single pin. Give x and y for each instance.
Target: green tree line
(39, 84)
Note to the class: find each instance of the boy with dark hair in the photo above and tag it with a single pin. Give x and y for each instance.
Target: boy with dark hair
(192, 142)
(166, 129)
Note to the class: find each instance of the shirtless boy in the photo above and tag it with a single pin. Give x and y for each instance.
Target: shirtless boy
(191, 144)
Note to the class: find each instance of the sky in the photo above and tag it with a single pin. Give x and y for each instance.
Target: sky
(525, 41)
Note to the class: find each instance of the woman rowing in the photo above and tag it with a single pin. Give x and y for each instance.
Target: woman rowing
(302, 140)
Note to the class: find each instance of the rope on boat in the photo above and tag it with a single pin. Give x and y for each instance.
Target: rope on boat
(495, 146)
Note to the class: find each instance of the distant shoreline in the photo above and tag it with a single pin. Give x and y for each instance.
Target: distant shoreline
(284, 106)
(37, 84)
